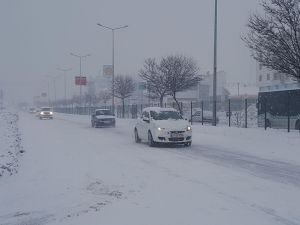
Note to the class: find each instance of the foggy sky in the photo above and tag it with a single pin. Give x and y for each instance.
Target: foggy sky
(37, 37)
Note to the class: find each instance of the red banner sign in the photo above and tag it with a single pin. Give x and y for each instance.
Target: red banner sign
(80, 80)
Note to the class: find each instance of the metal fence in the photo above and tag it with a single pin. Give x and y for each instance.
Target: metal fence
(242, 113)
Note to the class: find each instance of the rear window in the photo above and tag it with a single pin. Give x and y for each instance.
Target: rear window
(104, 112)
(45, 109)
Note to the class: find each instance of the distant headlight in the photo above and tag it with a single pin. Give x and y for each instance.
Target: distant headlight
(188, 128)
(51, 113)
(160, 129)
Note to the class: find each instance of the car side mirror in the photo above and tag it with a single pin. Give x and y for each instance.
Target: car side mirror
(146, 119)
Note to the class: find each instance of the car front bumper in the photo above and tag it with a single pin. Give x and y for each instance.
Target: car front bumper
(46, 116)
(105, 123)
(177, 137)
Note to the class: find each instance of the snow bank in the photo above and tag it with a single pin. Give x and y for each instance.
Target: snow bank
(10, 143)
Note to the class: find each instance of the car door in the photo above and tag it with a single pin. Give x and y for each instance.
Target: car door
(144, 125)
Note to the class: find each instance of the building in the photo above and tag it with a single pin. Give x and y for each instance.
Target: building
(268, 80)
(203, 91)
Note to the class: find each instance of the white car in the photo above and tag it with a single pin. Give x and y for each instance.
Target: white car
(45, 113)
(162, 125)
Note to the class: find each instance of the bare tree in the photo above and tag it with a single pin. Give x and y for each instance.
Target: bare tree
(104, 96)
(123, 89)
(90, 99)
(181, 74)
(156, 81)
(75, 100)
(275, 36)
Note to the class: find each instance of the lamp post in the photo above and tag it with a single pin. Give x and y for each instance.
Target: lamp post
(80, 75)
(215, 67)
(53, 78)
(65, 81)
(113, 59)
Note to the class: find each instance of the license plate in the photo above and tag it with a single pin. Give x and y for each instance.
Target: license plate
(176, 135)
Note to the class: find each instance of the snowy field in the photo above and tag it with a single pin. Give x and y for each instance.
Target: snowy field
(74, 174)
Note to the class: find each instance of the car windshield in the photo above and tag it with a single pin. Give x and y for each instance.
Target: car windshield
(103, 112)
(45, 109)
(165, 115)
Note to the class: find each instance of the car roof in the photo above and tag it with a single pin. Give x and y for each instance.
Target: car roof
(158, 109)
(102, 109)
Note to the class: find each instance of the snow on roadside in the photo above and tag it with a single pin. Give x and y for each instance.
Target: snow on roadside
(10, 143)
(272, 144)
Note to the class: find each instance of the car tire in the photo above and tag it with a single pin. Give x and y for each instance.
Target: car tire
(268, 123)
(151, 143)
(187, 144)
(136, 136)
(297, 126)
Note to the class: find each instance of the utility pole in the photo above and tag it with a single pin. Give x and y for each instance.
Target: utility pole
(65, 81)
(215, 67)
(113, 60)
(80, 75)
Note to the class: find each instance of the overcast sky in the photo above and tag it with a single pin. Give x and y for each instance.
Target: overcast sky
(37, 37)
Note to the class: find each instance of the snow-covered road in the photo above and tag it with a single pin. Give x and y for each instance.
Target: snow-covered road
(74, 174)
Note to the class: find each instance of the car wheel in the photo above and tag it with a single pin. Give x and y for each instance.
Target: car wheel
(136, 136)
(268, 123)
(151, 143)
(93, 124)
(297, 126)
(187, 144)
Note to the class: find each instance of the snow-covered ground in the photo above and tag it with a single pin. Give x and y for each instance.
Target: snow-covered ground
(10, 143)
(75, 174)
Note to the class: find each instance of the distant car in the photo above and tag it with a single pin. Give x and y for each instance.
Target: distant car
(32, 110)
(103, 118)
(207, 117)
(45, 113)
(162, 125)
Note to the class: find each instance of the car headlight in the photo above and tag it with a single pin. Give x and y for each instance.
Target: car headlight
(42, 113)
(188, 128)
(160, 129)
(51, 113)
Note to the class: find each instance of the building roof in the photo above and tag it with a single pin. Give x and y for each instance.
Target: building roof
(243, 90)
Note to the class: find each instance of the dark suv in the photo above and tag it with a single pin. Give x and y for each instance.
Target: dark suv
(103, 118)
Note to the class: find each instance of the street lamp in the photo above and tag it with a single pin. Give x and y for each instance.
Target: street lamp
(113, 59)
(80, 75)
(65, 81)
(53, 78)
(215, 67)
